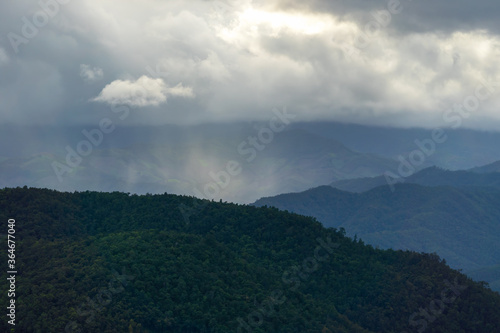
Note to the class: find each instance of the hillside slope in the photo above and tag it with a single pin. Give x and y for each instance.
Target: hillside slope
(112, 262)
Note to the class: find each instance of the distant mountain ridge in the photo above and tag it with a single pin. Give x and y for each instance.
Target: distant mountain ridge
(492, 167)
(432, 176)
(463, 148)
(460, 225)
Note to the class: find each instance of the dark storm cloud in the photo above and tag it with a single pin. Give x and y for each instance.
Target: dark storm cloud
(209, 61)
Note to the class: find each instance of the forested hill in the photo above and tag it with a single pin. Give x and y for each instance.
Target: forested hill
(114, 262)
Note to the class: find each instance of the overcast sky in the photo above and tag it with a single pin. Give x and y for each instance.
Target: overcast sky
(192, 61)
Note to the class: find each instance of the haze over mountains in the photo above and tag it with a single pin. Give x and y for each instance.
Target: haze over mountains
(462, 149)
(192, 159)
(181, 160)
(485, 176)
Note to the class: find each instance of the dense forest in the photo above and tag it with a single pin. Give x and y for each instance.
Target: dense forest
(116, 262)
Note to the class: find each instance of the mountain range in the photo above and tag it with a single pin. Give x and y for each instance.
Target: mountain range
(191, 160)
(484, 176)
(461, 149)
(459, 224)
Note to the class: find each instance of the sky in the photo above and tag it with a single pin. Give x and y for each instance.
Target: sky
(398, 63)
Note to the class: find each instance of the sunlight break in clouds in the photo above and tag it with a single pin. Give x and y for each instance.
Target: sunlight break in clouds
(143, 92)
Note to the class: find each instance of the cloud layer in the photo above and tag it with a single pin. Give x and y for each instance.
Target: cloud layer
(228, 60)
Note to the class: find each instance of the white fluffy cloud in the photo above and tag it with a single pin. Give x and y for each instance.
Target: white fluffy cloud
(145, 91)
